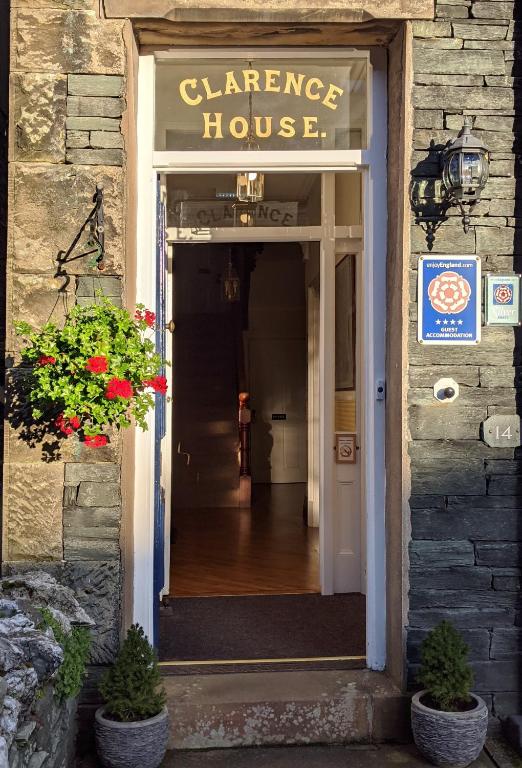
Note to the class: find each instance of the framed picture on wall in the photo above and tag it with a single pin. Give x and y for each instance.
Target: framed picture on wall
(345, 313)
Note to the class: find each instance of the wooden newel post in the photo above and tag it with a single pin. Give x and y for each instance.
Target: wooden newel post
(244, 434)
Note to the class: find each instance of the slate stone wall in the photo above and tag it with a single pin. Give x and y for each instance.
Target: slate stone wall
(62, 501)
(466, 503)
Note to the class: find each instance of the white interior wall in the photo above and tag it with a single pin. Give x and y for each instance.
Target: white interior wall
(277, 341)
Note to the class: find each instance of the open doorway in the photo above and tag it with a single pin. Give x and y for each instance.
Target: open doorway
(239, 534)
(245, 565)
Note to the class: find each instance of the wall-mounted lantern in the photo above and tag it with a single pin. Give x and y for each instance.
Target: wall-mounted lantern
(465, 171)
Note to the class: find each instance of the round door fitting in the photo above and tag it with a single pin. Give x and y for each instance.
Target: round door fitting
(446, 390)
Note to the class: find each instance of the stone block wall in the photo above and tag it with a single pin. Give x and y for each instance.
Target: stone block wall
(62, 500)
(36, 728)
(466, 503)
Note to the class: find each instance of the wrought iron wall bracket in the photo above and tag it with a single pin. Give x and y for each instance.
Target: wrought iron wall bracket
(94, 224)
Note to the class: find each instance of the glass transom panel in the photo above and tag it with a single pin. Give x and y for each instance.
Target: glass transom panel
(292, 104)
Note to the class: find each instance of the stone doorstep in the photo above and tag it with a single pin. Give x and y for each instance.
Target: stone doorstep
(269, 708)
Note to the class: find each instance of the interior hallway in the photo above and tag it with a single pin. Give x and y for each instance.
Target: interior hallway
(265, 550)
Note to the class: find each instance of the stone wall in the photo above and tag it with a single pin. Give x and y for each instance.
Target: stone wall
(62, 500)
(466, 504)
(36, 729)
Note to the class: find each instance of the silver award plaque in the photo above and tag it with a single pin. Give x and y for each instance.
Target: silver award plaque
(502, 300)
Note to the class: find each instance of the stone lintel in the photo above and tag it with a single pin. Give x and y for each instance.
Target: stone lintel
(157, 33)
(310, 11)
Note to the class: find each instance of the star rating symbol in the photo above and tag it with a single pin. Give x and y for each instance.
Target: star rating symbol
(461, 322)
(453, 322)
(445, 322)
(438, 322)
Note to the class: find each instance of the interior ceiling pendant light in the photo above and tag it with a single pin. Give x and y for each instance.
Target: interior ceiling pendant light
(231, 282)
(465, 171)
(250, 185)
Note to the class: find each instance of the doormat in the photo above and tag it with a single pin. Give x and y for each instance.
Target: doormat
(257, 630)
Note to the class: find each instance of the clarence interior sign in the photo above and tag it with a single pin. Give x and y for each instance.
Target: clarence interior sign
(221, 214)
(278, 104)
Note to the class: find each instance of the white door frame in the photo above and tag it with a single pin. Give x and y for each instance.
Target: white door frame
(372, 163)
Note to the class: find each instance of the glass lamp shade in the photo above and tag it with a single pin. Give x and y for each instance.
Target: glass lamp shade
(231, 284)
(250, 186)
(465, 173)
(465, 166)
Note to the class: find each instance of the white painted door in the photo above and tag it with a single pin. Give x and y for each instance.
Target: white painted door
(166, 442)
(278, 397)
(314, 443)
(347, 519)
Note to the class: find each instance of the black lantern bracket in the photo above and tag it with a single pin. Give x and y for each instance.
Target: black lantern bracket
(465, 171)
(457, 174)
(94, 224)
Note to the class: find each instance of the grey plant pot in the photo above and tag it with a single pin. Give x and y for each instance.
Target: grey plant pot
(448, 739)
(139, 744)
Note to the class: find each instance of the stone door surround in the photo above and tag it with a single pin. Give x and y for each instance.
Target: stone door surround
(301, 11)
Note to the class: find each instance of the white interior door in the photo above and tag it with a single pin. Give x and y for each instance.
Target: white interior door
(278, 387)
(312, 308)
(347, 525)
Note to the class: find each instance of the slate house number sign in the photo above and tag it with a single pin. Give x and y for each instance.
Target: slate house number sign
(501, 431)
(449, 300)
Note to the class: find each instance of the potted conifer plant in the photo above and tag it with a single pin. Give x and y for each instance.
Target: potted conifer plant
(449, 722)
(132, 725)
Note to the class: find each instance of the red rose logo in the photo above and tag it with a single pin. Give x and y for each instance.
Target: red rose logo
(503, 294)
(449, 293)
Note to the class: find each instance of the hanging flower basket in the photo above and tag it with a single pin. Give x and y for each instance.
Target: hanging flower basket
(100, 370)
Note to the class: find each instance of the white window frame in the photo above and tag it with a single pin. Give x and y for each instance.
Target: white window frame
(372, 162)
(263, 160)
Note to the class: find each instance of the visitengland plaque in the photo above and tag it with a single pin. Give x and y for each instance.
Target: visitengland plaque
(502, 299)
(449, 300)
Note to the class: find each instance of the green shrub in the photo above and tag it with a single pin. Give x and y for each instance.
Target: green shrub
(131, 688)
(69, 678)
(445, 672)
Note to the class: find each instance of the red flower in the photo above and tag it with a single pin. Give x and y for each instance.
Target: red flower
(74, 421)
(158, 384)
(46, 360)
(95, 441)
(97, 364)
(63, 425)
(118, 388)
(146, 315)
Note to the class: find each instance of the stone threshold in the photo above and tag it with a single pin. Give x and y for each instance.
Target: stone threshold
(285, 707)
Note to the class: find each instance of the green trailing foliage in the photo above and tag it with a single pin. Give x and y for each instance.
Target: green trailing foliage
(76, 645)
(100, 370)
(445, 672)
(131, 689)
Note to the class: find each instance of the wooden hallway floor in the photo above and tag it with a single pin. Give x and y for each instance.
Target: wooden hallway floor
(264, 550)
